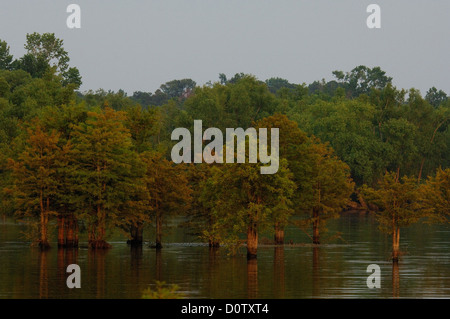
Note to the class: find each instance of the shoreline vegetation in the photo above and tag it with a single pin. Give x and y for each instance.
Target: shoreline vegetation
(95, 161)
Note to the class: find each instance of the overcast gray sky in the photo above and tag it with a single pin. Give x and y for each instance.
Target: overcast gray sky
(138, 44)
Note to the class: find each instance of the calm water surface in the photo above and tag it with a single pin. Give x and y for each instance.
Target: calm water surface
(333, 270)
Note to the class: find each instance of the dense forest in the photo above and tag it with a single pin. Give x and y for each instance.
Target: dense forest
(92, 161)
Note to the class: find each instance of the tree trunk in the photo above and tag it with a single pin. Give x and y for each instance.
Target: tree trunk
(212, 240)
(395, 280)
(43, 240)
(72, 231)
(252, 241)
(61, 232)
(97, 240)
(69, 232)
(395, 244)
(75, 230)
(158, 244)
(252, 278)
(279, 272)
(279, 234)
(362, 201)
(316, 236)
(136, 232)
(213, 243)
(419, 178)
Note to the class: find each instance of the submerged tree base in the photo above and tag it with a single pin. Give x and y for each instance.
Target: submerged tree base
(135, 242)
(251, 256)
(99, 244)
(44, 245)
(68, 244)
(213, 244)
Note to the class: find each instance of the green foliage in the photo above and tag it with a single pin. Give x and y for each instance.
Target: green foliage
(103, 158)
(5, 57)
(398, 201)
(163, 291)
(400, 205)
(167, 187)
(436, 196)
(435, 97)
(362, 79)
(244, 201)
(103, 170)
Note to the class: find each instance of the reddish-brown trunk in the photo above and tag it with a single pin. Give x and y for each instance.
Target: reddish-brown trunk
(395, 280)
(98, 233)
(252, 278)
(61, 225)
(71, 231)
(43, 240)
(252, 241)
(279, 272)
(279, 234)
(43, 276)
(395, 244)
(213, 243)
(158, 244)
(421, 169)
(316, 235)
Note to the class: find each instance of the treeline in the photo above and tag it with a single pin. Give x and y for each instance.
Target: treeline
(97, 160)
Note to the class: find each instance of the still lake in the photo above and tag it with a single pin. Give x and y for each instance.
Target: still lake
(334, 270)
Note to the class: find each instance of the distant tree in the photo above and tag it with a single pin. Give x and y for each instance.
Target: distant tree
(362, 79)
(223, 78)
(72, 76)
(144, 126)
(435, 97)
(275, 84)
(45, 51)
(5, 58)
(178, 88)
(143, 98)
(49, 48)
(35, 65)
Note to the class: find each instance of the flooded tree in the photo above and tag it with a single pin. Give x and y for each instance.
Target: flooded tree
(330, 187)
(293, 148)
(35, 182)
(399, 206)
(168, 189)
(248, 201)
(103, 171)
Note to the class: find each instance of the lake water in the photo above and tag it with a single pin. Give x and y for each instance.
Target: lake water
(333, 270)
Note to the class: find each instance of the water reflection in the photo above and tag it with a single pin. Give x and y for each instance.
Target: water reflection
(252, 278)
(395, 280)
(278, 272)
(97, 269)
(336, 270)
(158, 265)
(43, 274)
(316, 272)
